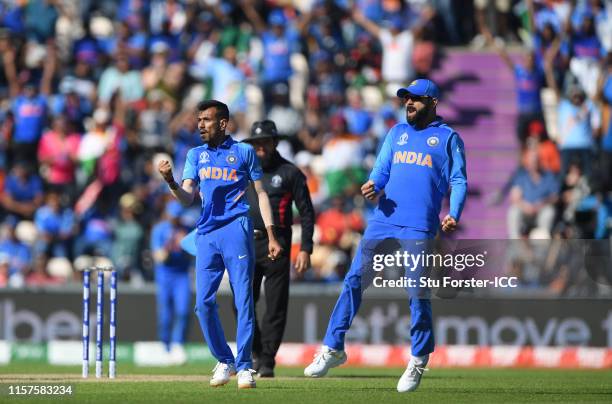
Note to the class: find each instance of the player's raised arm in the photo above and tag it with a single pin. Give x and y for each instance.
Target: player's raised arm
(366, 23)
(499, 48)
(185, 192)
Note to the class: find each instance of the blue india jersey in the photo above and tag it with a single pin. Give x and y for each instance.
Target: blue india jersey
(223, 174)
(416, 168)
(162, 236)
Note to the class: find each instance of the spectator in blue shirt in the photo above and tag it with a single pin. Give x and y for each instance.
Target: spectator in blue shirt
(131, 11)
(585, 50)
(605, 98)
(55, 225)
(87, 47)
(327, 83)
(133, 39)
(73, 105)
(95, 236)
(29, 106)
(528, 80)
(577, 120)
(533, 195)
(18, 254)
(170, 40)
(30, 112)
(279, 42)
(585, 43)
(23, 192)
(12, 17)
(40, 19)
(357, 117)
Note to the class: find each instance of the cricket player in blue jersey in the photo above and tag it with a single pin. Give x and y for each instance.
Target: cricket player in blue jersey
(223, 168)
(173, 286)
(417, 163)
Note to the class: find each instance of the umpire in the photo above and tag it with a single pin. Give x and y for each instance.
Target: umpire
(284, 183)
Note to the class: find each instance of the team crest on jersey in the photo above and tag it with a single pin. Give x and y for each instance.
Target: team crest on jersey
(276, 181)
(231, 159)
(403, 139)
(433, 141)
(204, 158)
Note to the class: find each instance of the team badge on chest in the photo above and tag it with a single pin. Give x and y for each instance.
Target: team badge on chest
(433, 141)
(231, 159)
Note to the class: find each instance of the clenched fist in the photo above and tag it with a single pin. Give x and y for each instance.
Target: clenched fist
(368, 191)
(274, 249)
(449, 224)
(165, 169)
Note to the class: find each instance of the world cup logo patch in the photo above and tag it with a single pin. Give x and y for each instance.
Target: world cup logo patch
(204, 158)
(403, 139)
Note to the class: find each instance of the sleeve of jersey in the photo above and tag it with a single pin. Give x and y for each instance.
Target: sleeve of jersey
(382, 167)
(458, 177)
(301, 195)
(253, 165)
(191, 167)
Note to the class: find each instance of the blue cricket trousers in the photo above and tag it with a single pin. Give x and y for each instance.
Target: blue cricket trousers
(360, 276)
(231, 247)
(173, 305)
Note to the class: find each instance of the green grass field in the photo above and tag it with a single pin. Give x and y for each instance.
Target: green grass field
(355, 385)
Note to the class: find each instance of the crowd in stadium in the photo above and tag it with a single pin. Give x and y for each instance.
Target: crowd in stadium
(94, 93)
(564, 89)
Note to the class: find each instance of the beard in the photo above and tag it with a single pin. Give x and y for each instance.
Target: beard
(418, 116)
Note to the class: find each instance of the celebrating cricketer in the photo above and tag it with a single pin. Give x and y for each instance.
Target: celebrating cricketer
(223, 168)
(417, 164)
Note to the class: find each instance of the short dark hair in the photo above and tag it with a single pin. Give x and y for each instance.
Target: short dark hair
(222, 109)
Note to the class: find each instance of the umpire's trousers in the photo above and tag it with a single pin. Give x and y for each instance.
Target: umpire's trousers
(269, 331)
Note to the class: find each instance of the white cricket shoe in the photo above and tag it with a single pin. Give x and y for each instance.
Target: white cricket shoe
(222, 374)
(323, 361)
(246, 380)
(411, 378)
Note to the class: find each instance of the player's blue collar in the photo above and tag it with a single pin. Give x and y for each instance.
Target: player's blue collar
(436, 122)
(226, 144)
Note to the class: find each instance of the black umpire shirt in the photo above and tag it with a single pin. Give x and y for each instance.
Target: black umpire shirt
(284, 183)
